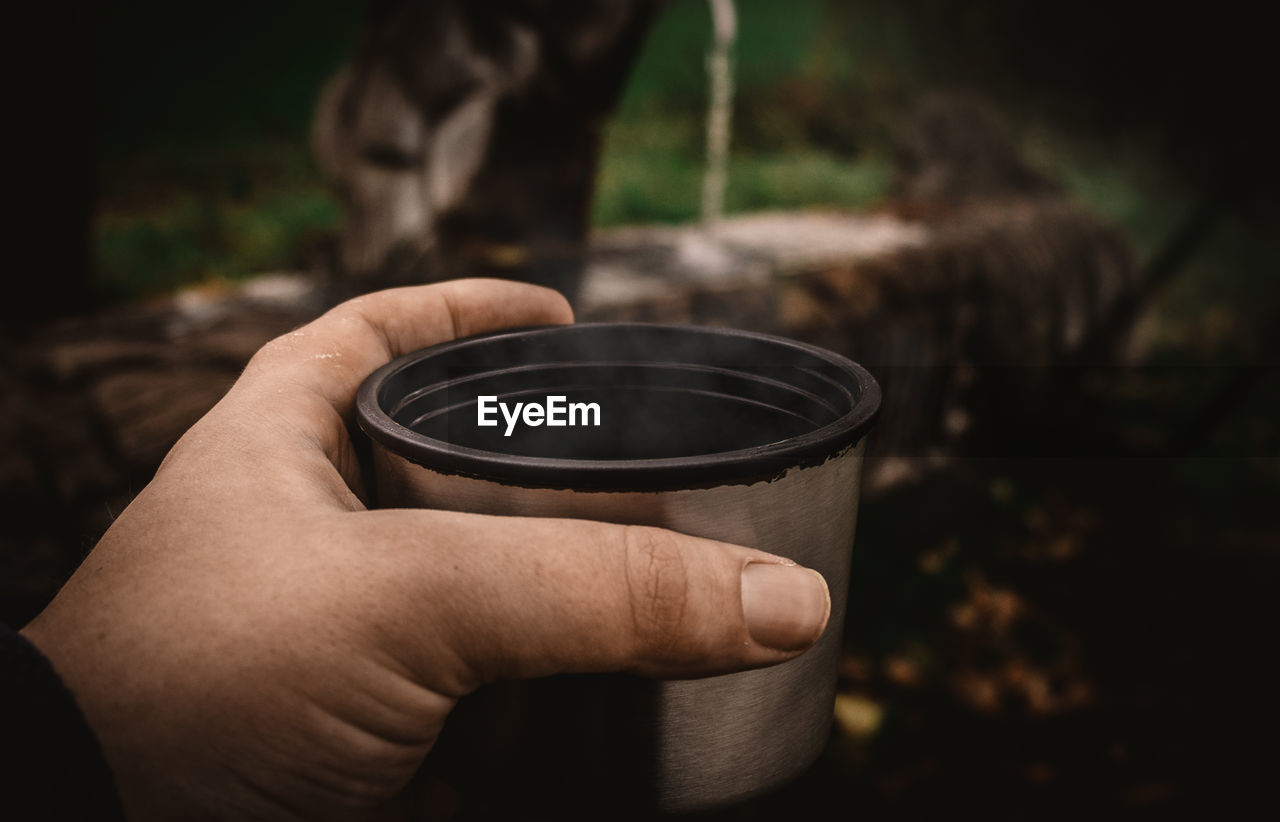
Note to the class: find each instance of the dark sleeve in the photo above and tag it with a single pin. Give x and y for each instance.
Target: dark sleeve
(50, 764)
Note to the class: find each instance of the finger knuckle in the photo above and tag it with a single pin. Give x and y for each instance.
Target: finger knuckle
(658, 583)
(275, 352)
(265, 355)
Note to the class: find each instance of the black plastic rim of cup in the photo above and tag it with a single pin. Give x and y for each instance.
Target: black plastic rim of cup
(826, 401)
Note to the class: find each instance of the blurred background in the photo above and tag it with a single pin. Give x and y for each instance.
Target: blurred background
(1049, 228)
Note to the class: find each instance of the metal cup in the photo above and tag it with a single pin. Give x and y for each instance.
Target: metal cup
(729, 435)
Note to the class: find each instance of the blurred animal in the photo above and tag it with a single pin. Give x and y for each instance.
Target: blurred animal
(465, 135)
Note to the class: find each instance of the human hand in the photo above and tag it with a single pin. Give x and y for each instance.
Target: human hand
(247, 640)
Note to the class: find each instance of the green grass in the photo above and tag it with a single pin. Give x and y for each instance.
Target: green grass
(190, 238)
(641, 187)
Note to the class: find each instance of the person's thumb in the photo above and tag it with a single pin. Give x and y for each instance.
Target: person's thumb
(511, 597)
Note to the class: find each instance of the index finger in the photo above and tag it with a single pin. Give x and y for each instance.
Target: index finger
(329, 357)
(296, 396)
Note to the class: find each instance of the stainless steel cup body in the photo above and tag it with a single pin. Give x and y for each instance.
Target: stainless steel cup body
(725, 738)
(689, 744)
